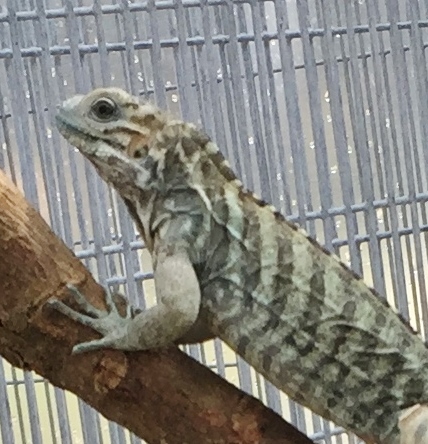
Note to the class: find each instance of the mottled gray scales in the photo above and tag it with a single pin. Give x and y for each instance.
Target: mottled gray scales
(190, 147)
(222, 166)
(349, 308)
(228, 265)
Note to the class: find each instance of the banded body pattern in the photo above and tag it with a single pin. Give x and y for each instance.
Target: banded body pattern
(286, 305)
(306, 322)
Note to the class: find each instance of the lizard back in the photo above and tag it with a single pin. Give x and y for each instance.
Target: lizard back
(305, 321)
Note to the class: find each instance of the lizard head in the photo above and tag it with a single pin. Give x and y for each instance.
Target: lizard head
(112, 129)
(135, 144)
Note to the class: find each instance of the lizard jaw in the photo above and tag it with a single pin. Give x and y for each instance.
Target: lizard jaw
(86, 143)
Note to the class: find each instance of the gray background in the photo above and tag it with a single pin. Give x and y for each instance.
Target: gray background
(320, 105)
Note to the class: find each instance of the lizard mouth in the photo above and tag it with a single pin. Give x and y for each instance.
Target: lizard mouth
(79, 136)
(72, 131)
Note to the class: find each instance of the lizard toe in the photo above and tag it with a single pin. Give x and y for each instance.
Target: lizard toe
(86, 306)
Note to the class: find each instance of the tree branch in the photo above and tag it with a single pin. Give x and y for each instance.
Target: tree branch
(161, 396)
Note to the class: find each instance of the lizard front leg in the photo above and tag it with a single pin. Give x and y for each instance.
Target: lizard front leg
(179, 299)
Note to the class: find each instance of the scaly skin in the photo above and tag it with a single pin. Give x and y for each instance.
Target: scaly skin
(229, 265)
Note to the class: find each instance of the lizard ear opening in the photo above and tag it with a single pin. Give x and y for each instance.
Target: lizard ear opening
(138, 152)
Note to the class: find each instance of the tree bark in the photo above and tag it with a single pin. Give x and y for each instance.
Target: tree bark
(163, 396)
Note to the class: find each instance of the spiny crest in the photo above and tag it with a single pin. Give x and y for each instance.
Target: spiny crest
(222, 165)
(220, 162)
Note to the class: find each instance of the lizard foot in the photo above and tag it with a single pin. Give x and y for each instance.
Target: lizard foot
(109, 323)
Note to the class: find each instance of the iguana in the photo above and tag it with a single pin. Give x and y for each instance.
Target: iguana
(228, 265)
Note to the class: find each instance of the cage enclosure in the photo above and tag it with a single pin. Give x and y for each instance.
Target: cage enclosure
(320, 106)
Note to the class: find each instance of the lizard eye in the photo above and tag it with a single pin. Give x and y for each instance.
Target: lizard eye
(104, 109)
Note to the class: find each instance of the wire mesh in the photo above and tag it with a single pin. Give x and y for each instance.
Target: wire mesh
(319, 105)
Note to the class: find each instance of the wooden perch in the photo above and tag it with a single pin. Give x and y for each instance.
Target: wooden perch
(161, 396)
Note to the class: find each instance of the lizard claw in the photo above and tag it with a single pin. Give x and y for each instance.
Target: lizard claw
(109, 323)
